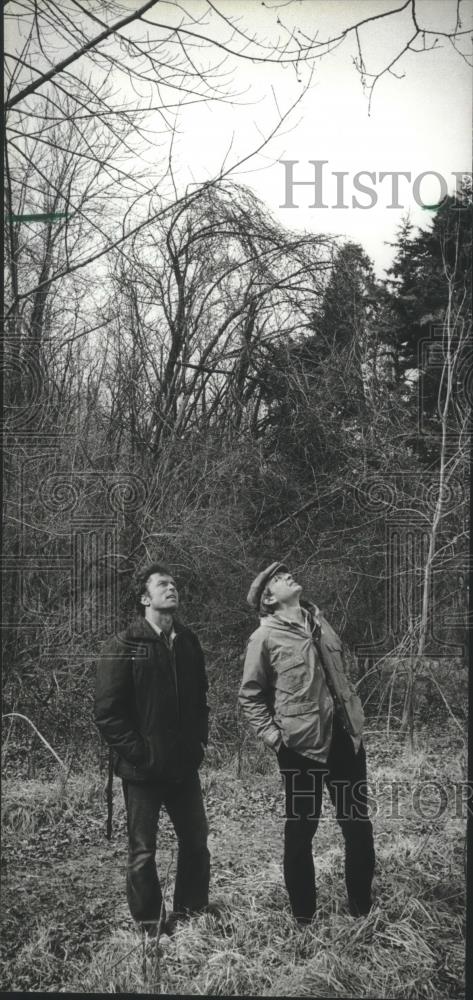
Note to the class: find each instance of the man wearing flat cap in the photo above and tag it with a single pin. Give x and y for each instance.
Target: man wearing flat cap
(297, 698)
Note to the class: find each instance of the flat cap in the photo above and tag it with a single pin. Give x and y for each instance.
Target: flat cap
(259, 583)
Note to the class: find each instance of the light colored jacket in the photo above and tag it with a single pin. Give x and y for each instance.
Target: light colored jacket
(286, 694)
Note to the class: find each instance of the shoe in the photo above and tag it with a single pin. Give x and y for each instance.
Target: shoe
(151, 927)
(358, 909)
(173, 919)
(214, 909)
(154, 927)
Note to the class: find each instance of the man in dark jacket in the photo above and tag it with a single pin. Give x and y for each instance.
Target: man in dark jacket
(151, 708)
(297, 698)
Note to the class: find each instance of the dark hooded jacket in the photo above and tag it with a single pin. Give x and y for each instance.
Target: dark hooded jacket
(151, 704)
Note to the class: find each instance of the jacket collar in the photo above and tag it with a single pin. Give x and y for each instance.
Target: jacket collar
(139, 629)
(278, 624)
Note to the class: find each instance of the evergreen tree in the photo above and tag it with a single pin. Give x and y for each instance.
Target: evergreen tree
(429, 266)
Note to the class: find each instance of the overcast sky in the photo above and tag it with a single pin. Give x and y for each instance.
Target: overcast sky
(419, 123)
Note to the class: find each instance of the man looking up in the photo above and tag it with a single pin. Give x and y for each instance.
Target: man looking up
(151, 708)
(297, 698)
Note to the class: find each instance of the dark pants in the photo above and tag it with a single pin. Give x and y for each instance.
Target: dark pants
(184, 805)
(344, 774)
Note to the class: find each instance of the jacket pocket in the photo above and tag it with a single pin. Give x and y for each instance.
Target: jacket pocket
(301, 730)
(157, 754)
(342, 677)
(130, 772)
(290, 677)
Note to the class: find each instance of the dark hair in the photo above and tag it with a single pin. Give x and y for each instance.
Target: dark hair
(142, 580)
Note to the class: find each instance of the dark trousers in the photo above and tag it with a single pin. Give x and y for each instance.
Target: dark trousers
(184, 805)
(344, 775)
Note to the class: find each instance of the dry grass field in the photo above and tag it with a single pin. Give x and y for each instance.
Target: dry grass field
(66, 928)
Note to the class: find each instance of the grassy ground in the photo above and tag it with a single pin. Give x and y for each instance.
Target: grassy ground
(66, 928)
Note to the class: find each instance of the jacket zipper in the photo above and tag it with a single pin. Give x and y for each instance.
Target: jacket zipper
(339, 703)
(172, 653)
(176, 683)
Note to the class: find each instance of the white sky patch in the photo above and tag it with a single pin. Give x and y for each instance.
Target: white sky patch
(419, 121)
(418, 124)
